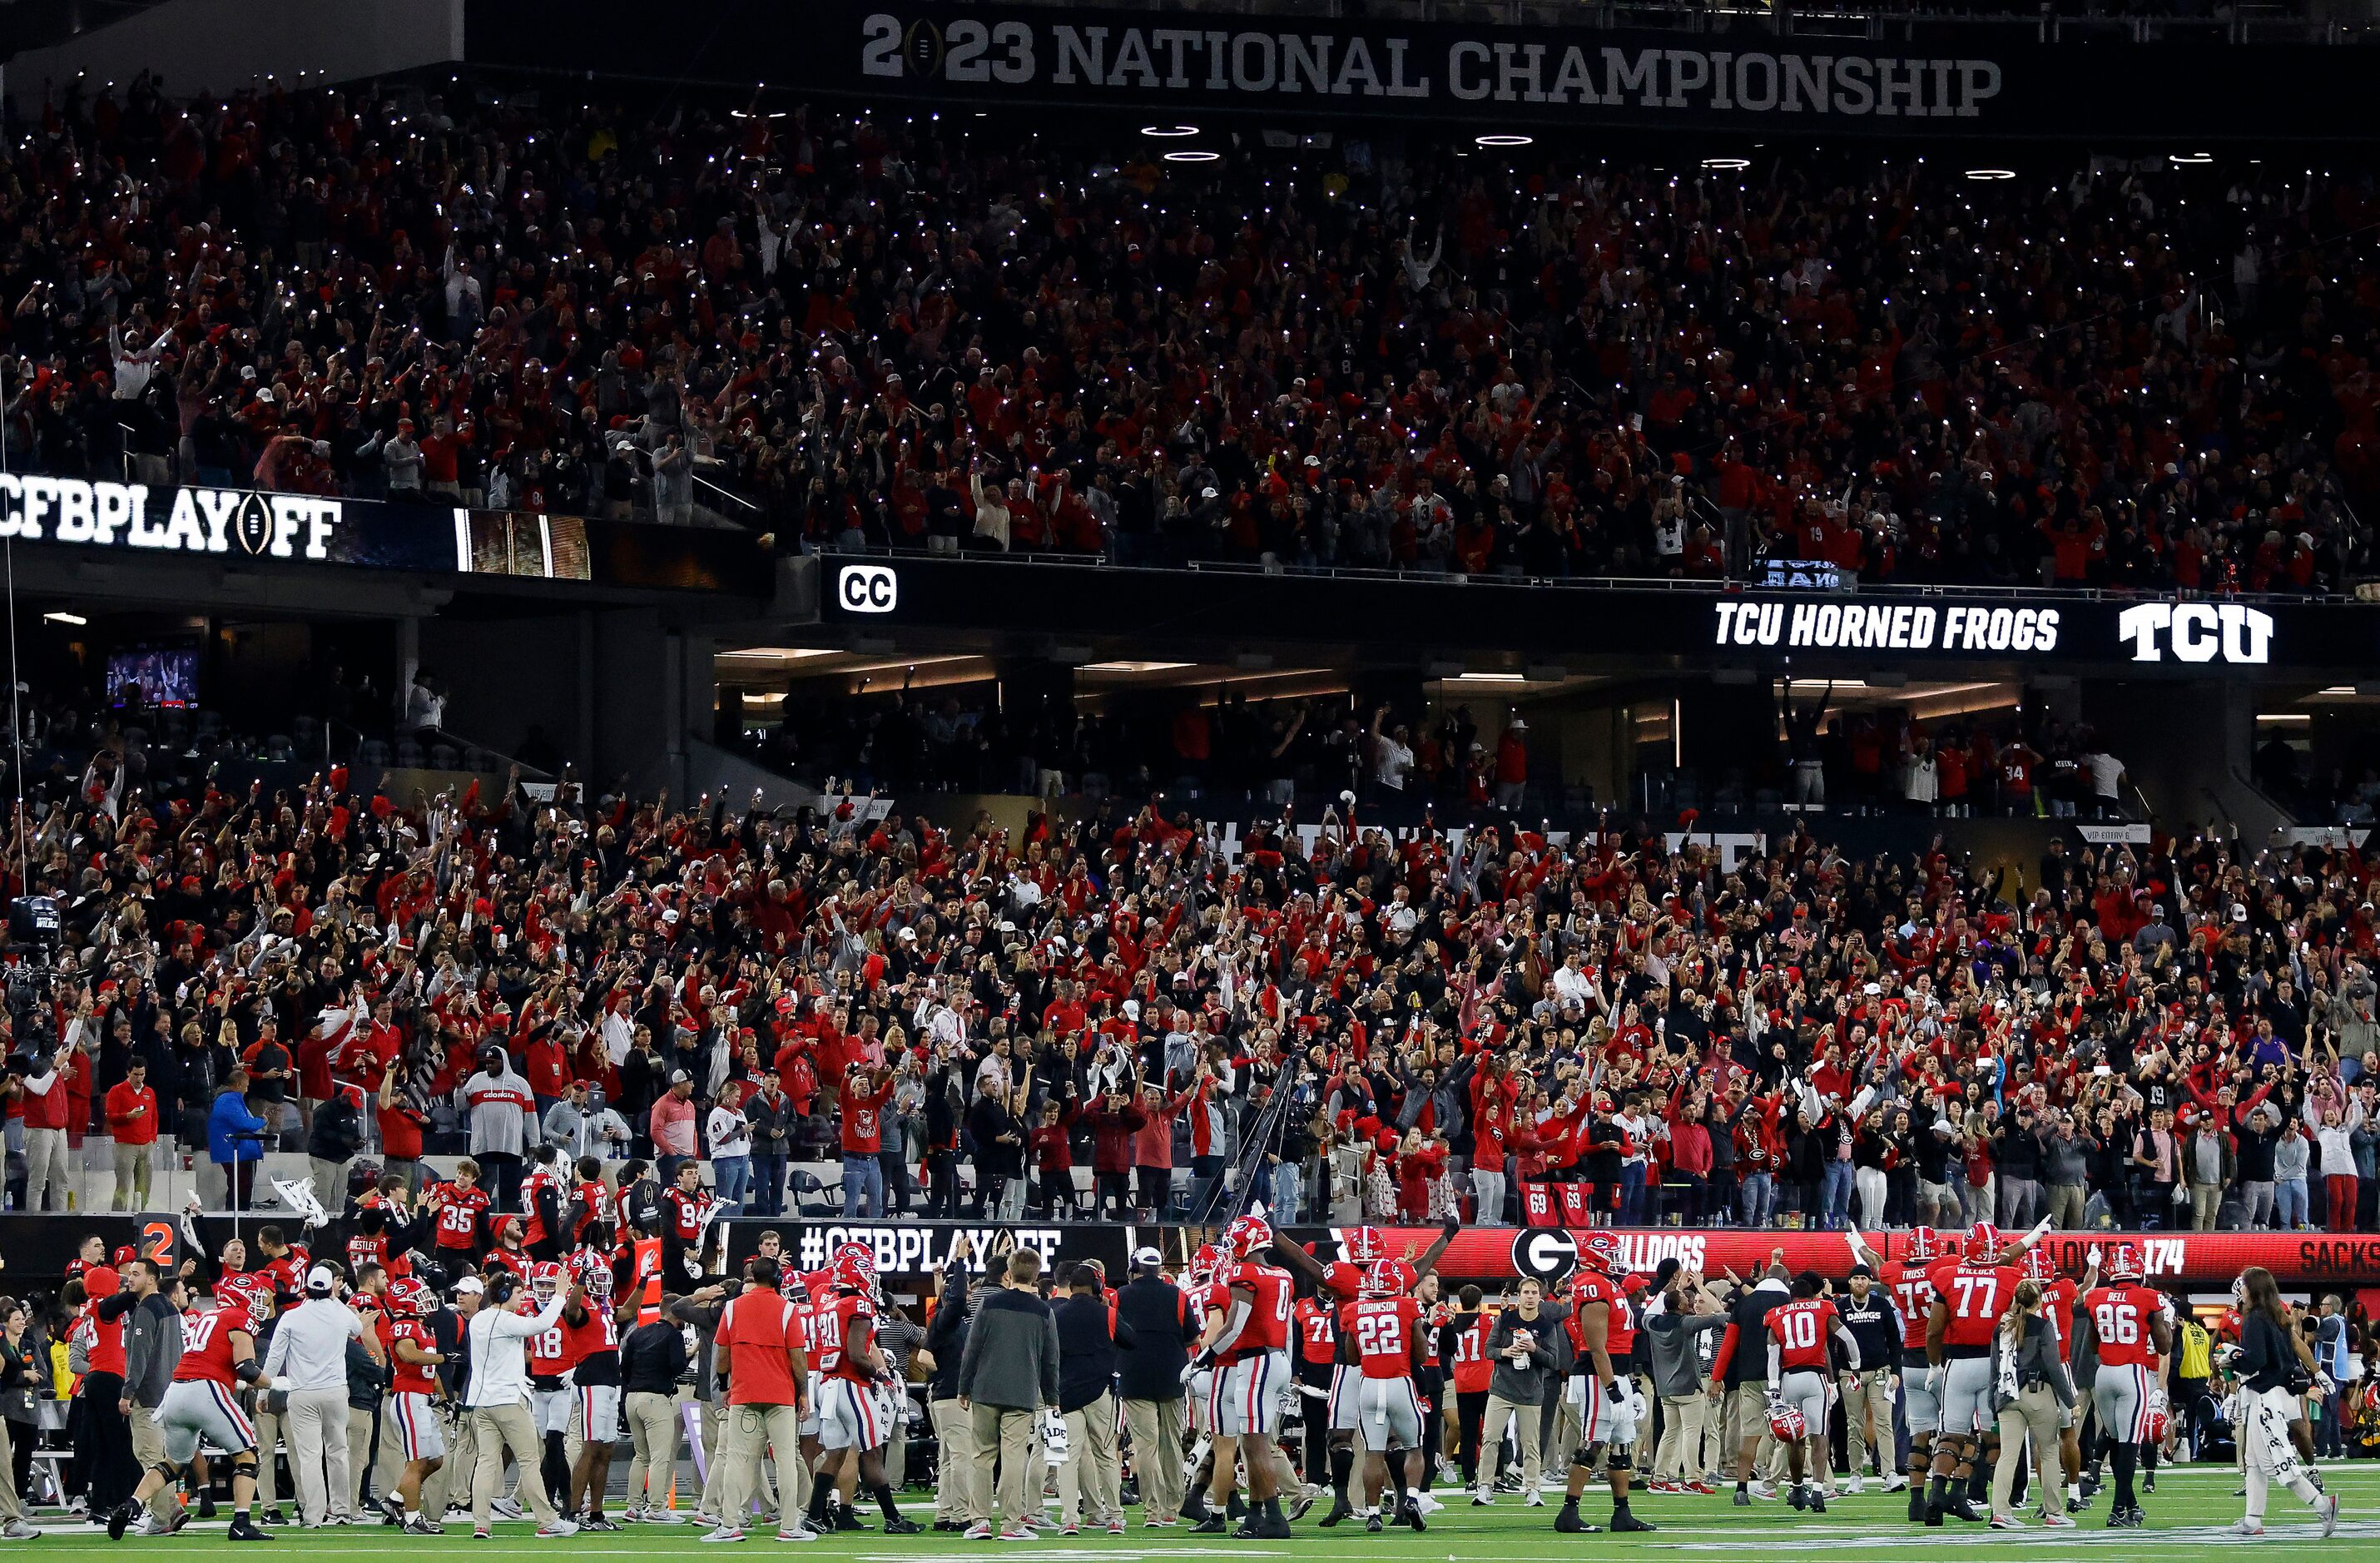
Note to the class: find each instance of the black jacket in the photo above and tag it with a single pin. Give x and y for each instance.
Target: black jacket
(652, 1359)
(946, 1337)
(338, 1132)
(1154, 1339)
(1086, 1350)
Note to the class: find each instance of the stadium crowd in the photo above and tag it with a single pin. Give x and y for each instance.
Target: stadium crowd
(952, 333)
(1115, 1013)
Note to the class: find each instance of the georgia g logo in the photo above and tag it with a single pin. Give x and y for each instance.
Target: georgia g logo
(1544, 1254)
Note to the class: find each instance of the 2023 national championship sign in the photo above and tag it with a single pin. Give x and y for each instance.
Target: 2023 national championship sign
(1291, 70)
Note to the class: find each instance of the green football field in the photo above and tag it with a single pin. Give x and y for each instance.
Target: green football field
(2188, 1516)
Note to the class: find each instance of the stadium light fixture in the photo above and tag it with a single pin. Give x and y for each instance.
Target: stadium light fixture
(1164, 132)
(1503, 140)
(1129, 667)
(1729, 165)
(74, 619)
(1194, 157)
(1991, 174)
(2188, 160)
(1490, 678)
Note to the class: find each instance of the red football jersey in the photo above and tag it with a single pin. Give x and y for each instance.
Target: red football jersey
(594, 1203)
(1318, 1331)
(206, 1345)
(2122, 1318)
(1343, 1279)
(1590, 1287)
(1383, 1330)
(550, 1354)
(533, 1224)
(1798, 1332)
(1976, 1295)
(1914, 1294)
(1472, 1370)
(596, 1332)
(841, 1316)
(2061, 1294)
(414, 1378)
(1266, 1328)
(459, 1214)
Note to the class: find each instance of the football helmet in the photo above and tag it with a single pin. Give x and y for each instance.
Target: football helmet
(2040, 1265)
(1366, 1245)
(1786, 1422)
(1923, 1245)
(253, 1295)
(1983, 1244)
(544, 1281)
(1601, 1252)
(2124, 1263)
(1248, 1236)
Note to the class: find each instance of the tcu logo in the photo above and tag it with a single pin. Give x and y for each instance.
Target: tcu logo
(2197, 632)
(868, 589)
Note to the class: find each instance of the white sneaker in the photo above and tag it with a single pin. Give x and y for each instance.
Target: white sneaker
(2327, 1508)
(1537, 1499)
(1764, 1492)
(724, 1534)
(506, 1508)
(1895, 1484)
(980, 1531)
(797, 1534)
(1855, 1486)
(17, 1530)
(661, 1517)
(554, 1529)
(2060, 1521)
(1429, 1505)
(2246, 1528)
(1483, 1497)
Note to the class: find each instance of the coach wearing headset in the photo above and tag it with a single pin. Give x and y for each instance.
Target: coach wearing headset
(496, 1400)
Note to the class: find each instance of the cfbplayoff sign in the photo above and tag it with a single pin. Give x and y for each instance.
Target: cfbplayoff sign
(71, 510)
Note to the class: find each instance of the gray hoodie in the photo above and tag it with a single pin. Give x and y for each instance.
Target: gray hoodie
(1524, 1384)
(1678, 1368)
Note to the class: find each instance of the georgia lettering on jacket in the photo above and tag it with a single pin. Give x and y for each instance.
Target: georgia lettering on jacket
(74, 510)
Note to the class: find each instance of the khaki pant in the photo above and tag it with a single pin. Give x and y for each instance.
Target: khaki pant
(1748, 1418)
(45, 1169)
(1680, 1456)
(1157, 1455)
(954, 1476)
(652, 1432)
(1004, 1434)
(270, 1426)
(746, 1433)
(495, 1429)
(367, 1448)
(2205, 1199)
(2035, 1412)
(148, 1451)
(714, 1480)
(1527, 1422)
(1870, 1396)
(131, 1176)
(449, 1486)
(1089, 1478)
(318, 1452)
(11, 1508)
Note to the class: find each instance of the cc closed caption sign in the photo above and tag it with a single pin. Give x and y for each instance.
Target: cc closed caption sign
(868, 589)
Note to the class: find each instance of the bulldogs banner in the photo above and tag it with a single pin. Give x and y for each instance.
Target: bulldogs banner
(1954, 81)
